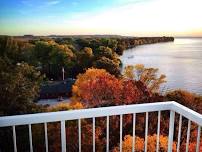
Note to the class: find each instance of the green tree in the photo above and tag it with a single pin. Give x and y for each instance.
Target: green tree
(119, 50)
(83, 42)
(51, 57)
(110, 65)
(103, 51)
(19, 87)
(109, 42)
(14, 51)
(85, 57)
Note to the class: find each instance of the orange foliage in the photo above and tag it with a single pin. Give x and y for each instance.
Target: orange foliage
(76, 105)
(65, 106)
(192, 147)
(130, 92)
(187, 99)
(97, 87)
(139, 144)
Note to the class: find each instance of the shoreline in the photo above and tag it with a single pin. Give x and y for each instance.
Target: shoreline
(133, 42)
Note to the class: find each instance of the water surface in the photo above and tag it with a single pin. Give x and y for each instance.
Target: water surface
(180, 61)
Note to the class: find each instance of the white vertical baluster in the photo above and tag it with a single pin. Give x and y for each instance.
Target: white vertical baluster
(79, 123)
(179, 133)
(158, 131)
(107, 148)
(46, 136)
(198, 139)
(93, 134)
(188, 135)
(14, 139)
(121, 125)
(30, 138)
(171, 130)
(134, 122)
(146, 132)
(63, 136)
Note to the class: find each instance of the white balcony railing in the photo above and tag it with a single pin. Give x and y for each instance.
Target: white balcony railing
(45, 118)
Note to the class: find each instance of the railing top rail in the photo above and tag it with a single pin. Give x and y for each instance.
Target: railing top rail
(83, 113)
(100, 112)
(188, 113)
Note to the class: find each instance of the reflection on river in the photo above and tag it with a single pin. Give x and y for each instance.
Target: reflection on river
(180, 61)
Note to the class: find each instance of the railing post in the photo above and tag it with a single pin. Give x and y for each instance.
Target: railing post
(46, 135)
(198, 139)
(171, 130)
(121, 131)
(30, 138)
(79, 131)
(63, 136)
(146, 132)
(134, 122)
(107, 146)
(93, 134)
(14, 139)
(158, 131)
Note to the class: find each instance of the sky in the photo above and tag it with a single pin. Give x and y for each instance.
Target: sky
(118, 17)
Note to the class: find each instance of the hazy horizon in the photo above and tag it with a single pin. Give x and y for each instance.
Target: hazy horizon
(176, 18)
(98, 35)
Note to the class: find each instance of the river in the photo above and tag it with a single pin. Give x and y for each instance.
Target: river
(180, 61)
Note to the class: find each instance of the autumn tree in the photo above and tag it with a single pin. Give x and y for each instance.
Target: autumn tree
(97, 87)
(130, 93)
(148, 76)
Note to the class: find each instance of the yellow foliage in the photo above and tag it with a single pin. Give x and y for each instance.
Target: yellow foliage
(128, 72)
(146, 75)
(88, 51)
(76, 105)
(65, 106)
(139, 67)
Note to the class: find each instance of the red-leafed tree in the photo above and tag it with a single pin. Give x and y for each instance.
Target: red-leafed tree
(130, 92)
(97, 87)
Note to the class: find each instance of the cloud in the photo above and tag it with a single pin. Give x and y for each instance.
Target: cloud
(148, 18)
